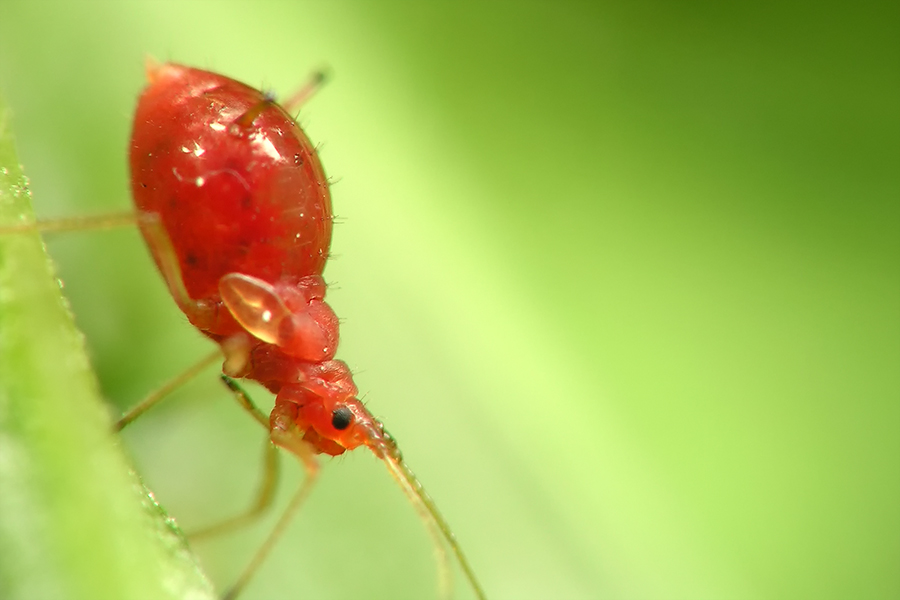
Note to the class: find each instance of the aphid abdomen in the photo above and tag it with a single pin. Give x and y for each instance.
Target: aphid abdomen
(237, 185)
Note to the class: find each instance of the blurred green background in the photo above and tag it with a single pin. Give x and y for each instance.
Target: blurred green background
(622, 279)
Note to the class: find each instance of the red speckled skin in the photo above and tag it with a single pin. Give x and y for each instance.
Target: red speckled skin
(238, 189)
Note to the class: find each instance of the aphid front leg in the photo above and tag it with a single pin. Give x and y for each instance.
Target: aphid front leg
(284, 433)
(271, 469)
(64, 224)
(265, 495)
(200, 313)
(160, 393)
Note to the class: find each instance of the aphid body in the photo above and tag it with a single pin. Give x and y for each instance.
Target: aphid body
(240, 227)
(235, 208)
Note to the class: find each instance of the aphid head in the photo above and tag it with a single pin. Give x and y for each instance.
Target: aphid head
(333, 427)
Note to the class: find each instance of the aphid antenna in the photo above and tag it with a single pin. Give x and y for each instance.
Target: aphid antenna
(437, 526)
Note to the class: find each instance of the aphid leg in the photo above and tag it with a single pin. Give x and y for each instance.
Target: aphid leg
(164, 390)
(293, 103)
(264, 497)
(86, 223)
(245, 121)
(285, 434)
(266, 493)
(199, 313)
(244, 400)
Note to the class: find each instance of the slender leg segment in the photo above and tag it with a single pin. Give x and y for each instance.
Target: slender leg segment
(160, 393)
(284, 434)
(266, 493)
(306, 91)
(88, 223)
(199, 313)
(296, 502)
(263, 502)
(244, 400)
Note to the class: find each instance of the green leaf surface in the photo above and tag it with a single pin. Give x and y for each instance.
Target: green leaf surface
(75, 522)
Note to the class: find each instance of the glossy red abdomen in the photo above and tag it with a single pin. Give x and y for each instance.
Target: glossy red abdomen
(236, 183)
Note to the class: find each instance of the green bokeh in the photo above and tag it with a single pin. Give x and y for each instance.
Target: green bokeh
(623, 280)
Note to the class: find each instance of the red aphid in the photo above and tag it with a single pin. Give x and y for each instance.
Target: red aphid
(242, 198)
(235, 208)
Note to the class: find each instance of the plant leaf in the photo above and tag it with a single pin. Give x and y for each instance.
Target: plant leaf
(75, 522)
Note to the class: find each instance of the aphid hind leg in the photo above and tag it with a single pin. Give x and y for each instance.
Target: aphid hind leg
(244, 400)
(284, 433)
(65, 224)
(201, 314)
(111, 221)
(292, 104)
(313, 84)
(266, 492)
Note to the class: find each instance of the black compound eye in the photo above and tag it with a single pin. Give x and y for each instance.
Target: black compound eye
(341, 418)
